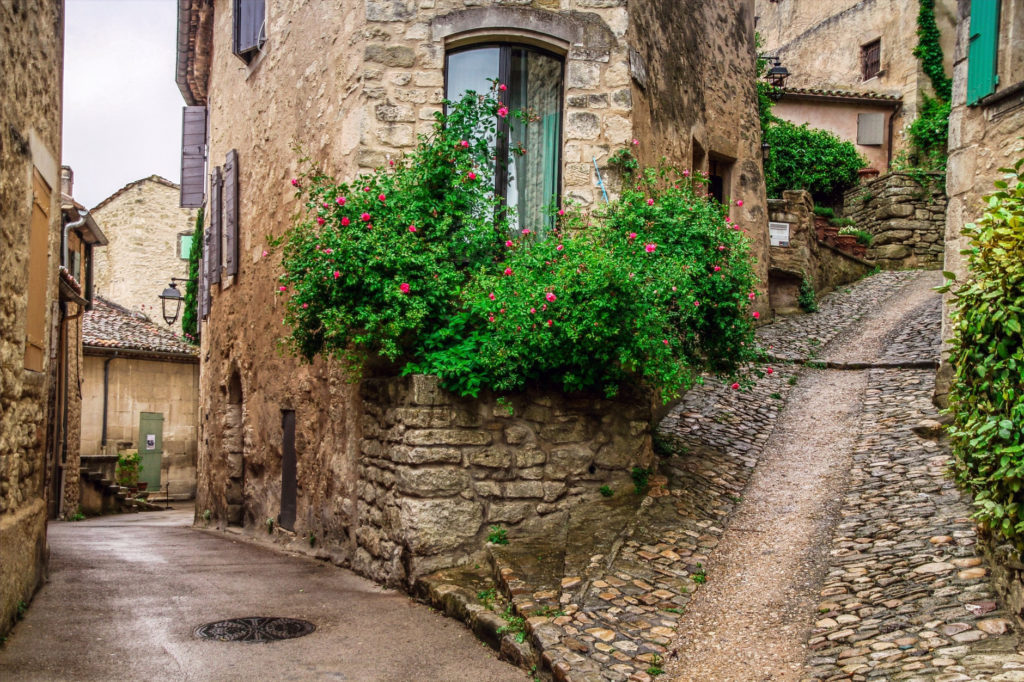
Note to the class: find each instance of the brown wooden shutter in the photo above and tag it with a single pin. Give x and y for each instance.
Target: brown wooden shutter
(231, 213)
(193, 156)
(248, 22)
(216, 225)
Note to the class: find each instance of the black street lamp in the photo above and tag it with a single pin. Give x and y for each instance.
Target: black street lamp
(776, 75)
(765, 150)
(171, 300)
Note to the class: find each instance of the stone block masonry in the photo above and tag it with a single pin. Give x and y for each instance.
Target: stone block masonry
(907, 219)
(436, 470)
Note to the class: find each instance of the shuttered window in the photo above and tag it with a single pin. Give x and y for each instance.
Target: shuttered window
(38, 269)
(214, 234)
(249, 30)
(193, 156)
(231, 213)
(981, 51)
(871, 59)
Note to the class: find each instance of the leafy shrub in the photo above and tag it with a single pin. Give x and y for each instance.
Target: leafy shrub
(641, 478)
(497, 535)
(842, 222)
(987, 356)
(863, 236)
(129, 466)
(810, 159)
(824, 212)
(806, 298)
(606, 491)
(416, 263)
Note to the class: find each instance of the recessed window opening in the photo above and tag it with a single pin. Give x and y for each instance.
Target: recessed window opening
(871, 59)
(529, 182)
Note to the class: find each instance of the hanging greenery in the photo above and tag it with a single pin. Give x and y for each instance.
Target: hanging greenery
(190, 315)
(929, 51)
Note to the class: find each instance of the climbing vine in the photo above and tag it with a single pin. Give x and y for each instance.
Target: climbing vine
(929, 132)
(190, 315)
(929, 51)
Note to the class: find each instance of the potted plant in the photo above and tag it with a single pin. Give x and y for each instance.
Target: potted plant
(862, 239)
(822, 214)
(129, 464)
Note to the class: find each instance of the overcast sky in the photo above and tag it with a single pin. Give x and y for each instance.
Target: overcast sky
(122, 108)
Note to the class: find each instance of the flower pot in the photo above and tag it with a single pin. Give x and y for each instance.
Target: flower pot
(846, 242)
(819, 227)
(831, 233)
(859, 250)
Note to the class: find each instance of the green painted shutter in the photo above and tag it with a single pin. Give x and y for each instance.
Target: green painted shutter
(981, 54)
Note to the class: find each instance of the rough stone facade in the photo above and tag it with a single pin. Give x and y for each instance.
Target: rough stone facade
(435, 470)
(820, 42)
(907, 219)
(31, 58)
(983, 138)
(826, 266)
(354, 83)
(143, 222)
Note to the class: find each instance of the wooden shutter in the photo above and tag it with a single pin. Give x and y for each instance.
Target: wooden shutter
(871, 59)
(193, 156)
(38, 271)
(216, 226)
(248, 22)
(231, 213)
(981, 51)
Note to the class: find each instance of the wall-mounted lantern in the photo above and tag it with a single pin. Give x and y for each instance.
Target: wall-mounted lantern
(170, 299)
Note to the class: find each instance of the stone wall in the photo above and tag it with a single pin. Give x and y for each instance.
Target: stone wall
(142, 222)
(907, 219)
(31, 56)
(819, 42)
(825, 265)
(437, 470)
(1006, 566)
(144, 385)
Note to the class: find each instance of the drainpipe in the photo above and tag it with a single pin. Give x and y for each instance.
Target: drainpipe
(106, 385)
(65, 318)
(82, 215)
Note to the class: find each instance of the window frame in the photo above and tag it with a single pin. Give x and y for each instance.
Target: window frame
(247, 54)
(505, 48)
(865, 50)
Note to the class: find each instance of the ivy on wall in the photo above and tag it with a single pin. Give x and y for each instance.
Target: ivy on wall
(929, 51)
(929, 132)
(190, 315)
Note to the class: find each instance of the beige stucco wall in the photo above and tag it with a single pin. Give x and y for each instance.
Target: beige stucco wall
(982, 139)
(31, 58)
(839, 118)
(144, 385)
(354, 84)
(142, 224)
(819, 42)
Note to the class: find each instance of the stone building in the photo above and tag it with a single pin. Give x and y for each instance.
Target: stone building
(150, 237)
(139, 379)
(396, 479)
(852, 67)
(31, 58)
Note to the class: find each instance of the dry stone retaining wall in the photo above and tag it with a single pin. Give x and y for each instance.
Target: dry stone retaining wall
(908, 220)
(437, 470)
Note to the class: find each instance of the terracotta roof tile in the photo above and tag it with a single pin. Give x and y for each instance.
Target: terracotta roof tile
(109, 325)
(842, 94)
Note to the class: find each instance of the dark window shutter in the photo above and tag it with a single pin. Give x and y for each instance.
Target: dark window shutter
(231, 212)
(204, 277)
(981, 51)
(216, 221)
(248, 21)
(193, 156)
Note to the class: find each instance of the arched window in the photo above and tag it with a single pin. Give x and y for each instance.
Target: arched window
(533, 76)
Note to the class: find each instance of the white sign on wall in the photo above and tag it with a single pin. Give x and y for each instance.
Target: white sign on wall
(779, 234)
(151, 441)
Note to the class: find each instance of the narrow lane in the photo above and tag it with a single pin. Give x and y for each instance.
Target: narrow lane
(126, 593)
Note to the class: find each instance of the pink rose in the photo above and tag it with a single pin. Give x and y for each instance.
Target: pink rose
(295, 182)
(739, 202)
(490, 318)
(265, 254)
(305, 305)
(365, 217)
(561, 211)
(320, 221)
(665, 341)
(650, 202)
(735, 386)
(769, 370)
(717, 268)
(696, 302)
(502, 87)
(404, 287)
(721, 247)
(344, 221)
(650, 248)
(757, 315)
(503, 111)
(559, 247)
(366, 189)
(471, 175)
(686, 173)
(636, 141)
(465, 144)
(751, 295)
(526, 231)
(491, 296)
(282, 288)
(550, 296)
(508, 271)
(412, 228)
(341, 201)
(543, 306)
(508, 243)
(550, 323)
(381, 197)
(337, 274)
(328, 250)
(632, 236)
(533, 311)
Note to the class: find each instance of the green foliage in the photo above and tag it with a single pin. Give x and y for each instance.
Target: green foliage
(22, 609)
(487, 598)
(929, 50)
(987, 355)
(765, 91)
(640, 477)
(79, 515)
(652, 288)
(824, 212)
(863, 236)
(842, 222)
(270, 524)
(606, 491)
(497, 535)
(699, 576)
(806, 298)
(129, 466)
(190, 304)
(812, 159)
(514, 625)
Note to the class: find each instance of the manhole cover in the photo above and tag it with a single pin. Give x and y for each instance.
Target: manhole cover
(255, 629)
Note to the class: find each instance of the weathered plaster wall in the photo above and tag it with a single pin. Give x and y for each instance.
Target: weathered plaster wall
(826, 266)
(839, 118)
(908, 220)
(819, 42)
(436, 470)
(31, 57)
(142, 222)
(354, 84)
(144, 385)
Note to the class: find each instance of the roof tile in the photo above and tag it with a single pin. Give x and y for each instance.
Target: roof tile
(111, 326)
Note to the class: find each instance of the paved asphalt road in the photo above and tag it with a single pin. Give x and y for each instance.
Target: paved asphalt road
(127, 592)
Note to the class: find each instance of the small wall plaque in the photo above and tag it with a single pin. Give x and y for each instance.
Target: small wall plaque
(779, 234)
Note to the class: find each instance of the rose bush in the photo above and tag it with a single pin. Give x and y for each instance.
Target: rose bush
(416, 262)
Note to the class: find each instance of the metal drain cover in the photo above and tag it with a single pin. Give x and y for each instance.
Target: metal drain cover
(255, 629)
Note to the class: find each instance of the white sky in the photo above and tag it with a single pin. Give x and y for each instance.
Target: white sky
(122, 108)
